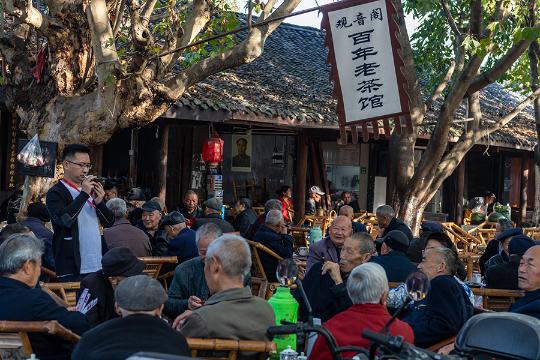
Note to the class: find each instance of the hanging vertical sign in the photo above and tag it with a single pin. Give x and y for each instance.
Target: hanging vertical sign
(361, 36)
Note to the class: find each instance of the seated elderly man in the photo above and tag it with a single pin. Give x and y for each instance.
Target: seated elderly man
(393, 256)
(117, 264)
(151, 221)
(123, 234)
(21, 300)
(273, 235)
(139, 300)
(188, 289)
(325, 282)
(232, 312)
(446, 307)
(529, 281)
(245, 216)
(505, 275)
(387, 220)
(272, 204)
(367, 287)
(328, 249)
(348, 211)
(504, 231)
(212, 214)
(182, 242)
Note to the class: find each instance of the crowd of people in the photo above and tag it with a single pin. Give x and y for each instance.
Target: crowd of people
(98, 237)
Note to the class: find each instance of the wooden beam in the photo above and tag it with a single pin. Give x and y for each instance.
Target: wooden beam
(301, 175)
(524, 183)
(460, 187)
(133, 153)
(163, 154)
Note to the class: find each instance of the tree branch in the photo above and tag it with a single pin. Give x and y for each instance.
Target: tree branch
(31, 16)
(118, 17)
(508, 117)
(442, 85)
(267, 9)
(451, 21)
(147, 12)
(475, 27)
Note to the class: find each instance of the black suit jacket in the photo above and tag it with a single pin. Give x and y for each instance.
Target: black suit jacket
(64, 211)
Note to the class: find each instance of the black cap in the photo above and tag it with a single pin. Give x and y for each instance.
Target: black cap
(173, 218)
(120, 261)
(396, 240)
(136, 194)
(520, 244)
(39, 211)
(151, 206)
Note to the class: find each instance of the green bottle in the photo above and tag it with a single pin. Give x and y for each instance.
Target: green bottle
(285, 308)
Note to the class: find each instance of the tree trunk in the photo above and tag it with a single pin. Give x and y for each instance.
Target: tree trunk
(535, 83)
(411, 210)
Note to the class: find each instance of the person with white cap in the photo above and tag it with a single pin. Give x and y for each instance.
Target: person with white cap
(315, 194)
(139, 301)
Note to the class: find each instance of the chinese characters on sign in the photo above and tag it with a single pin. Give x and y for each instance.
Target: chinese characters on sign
(361, 44)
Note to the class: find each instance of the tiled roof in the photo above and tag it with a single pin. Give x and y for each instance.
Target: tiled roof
(289, 83)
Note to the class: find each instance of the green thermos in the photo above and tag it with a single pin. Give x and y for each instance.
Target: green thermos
(285, 308)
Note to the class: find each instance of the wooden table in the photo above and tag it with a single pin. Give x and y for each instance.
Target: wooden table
(300, 235)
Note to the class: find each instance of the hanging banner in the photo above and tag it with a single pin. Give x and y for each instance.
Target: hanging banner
(361, 36)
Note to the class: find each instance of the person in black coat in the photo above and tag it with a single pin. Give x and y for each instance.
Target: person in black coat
(151, 225)
(394, 258)
(140, 300)
(118, 264)
(273, 235)
(446, 307)
(212, 214)
(36, 218)
(22, 300)
(190, 207)
(245, 216)
(387, 220)
(73, 202)
(504, 230)
(505, 275)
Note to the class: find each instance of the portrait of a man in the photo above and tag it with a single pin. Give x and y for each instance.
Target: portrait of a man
(241, 151)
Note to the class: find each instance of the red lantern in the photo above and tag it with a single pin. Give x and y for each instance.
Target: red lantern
(212, 151)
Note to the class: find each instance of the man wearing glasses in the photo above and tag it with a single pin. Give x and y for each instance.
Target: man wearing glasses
(77, 210)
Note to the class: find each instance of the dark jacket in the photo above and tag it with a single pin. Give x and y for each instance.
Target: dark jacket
(358, 227)
(505, 275)
(159, 241)
(493, 246)
(224, 225)
(99, 287)
(190, 216)
(396, 264)
(326, 298)
(64, 211)
(396, 224)
(243, 221)
(123, 234)
(120, 338)
(46, 235)
(19, 302)
(311, 207)
(441, 314)
(528, 305)
(281, 244)
(183, 245)
(323, 250)
(255, 226)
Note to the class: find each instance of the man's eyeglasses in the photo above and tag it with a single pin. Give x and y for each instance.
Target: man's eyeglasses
(82, 165)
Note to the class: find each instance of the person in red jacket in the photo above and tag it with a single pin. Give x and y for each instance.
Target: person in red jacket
(285, 196)
(367, 286)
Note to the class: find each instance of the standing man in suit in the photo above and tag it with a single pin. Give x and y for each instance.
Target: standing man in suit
(77, 210)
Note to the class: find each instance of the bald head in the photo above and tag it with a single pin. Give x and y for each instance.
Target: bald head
(340, 229)
(347, 211)
(529, 270)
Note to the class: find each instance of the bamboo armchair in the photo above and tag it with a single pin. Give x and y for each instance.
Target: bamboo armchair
(66, 291)
(461, 238)
(532, 232)
(232, 348)
(153, 264)
(14, 341)
(442, 344)
(497, 299)
(259, 287)
(257, 269)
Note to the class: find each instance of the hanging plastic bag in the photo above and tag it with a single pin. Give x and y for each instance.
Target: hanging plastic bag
(31, 154)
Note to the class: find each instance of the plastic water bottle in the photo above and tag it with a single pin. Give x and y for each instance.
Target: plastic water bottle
(315, 234)
(285, 308)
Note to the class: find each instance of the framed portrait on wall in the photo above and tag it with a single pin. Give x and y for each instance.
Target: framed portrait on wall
(241, 152)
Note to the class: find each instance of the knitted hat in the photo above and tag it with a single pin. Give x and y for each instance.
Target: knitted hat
(519, 244)
(120, 261)
(397, 240)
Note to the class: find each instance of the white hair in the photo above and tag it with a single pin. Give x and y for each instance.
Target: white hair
(208, 230)
(233, 253)
(18, 249)
(274, 217)
(118, 207)
(385, 211)
(367, 283)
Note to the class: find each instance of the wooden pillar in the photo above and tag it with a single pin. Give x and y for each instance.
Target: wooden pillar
(524, 183)
(133, 152)
(98, 160)
(460, 187)
(301, 175)
(163, 153)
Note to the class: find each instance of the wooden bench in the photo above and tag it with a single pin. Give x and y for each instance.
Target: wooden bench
(153, 264)
(67, 291)
(229, 349)
(497, 299)
(461, 238)
(14, 341)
